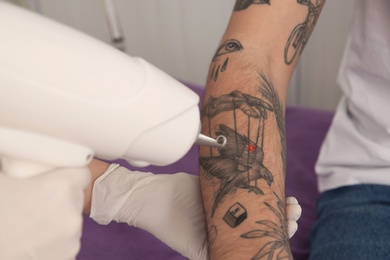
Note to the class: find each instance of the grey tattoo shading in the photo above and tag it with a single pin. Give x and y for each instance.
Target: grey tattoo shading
(240, 161)
(253, 107)
(226, 48)
(278, 248)
(250, 105)
(268, 91)
(239, 164)
(235, 215)
(244, 4)
(300, 35)
(212, 234)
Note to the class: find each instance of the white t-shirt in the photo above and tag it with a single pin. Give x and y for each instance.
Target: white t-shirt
(357, 147)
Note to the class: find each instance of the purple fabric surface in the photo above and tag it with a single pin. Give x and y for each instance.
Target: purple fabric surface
(305, 130)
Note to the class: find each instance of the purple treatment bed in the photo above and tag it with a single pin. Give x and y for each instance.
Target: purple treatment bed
(305, 130)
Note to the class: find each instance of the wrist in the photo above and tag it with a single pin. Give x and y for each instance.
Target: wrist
(97, 168)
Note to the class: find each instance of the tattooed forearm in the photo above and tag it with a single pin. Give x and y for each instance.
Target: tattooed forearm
(240, 162)
(239, 166)
(244, 4)
(240, 180)
(300, 35)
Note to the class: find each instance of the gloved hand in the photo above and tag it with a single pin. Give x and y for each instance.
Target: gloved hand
(40, 216)
(159, 204)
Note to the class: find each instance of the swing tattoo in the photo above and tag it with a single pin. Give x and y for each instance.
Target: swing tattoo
(240, 162)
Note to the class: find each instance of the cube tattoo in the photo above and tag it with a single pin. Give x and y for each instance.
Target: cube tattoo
(235, 215)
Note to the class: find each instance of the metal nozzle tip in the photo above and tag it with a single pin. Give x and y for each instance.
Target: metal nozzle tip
(219, 142)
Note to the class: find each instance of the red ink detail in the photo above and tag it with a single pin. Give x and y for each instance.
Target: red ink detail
(251, 148)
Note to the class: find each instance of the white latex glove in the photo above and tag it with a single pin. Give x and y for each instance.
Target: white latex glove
(293, 213)
(40, 216)
(168, 206)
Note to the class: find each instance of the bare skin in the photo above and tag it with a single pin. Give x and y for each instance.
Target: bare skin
(97, 168)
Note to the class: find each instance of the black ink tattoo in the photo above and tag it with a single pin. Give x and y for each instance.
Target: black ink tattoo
(228, 47)
(279, 248)
(212, 234)
(240, 161)
(235, 215)
(237, 166)
(244, 4)
(250, 105)
(269, 92)
(300, 35)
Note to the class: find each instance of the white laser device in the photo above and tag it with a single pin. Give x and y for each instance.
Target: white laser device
(66, 97)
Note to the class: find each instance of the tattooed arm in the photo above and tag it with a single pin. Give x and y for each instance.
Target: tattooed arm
(243, 182)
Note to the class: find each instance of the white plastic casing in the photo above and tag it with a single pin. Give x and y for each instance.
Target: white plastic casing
(60, 83)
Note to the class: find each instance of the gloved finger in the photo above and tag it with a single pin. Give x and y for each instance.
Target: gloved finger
(113, 189)
(292, 228)
(293, 209)
(291, 200)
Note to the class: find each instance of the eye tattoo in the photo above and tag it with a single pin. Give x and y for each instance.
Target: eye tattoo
(244, 4)
(227, 47)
